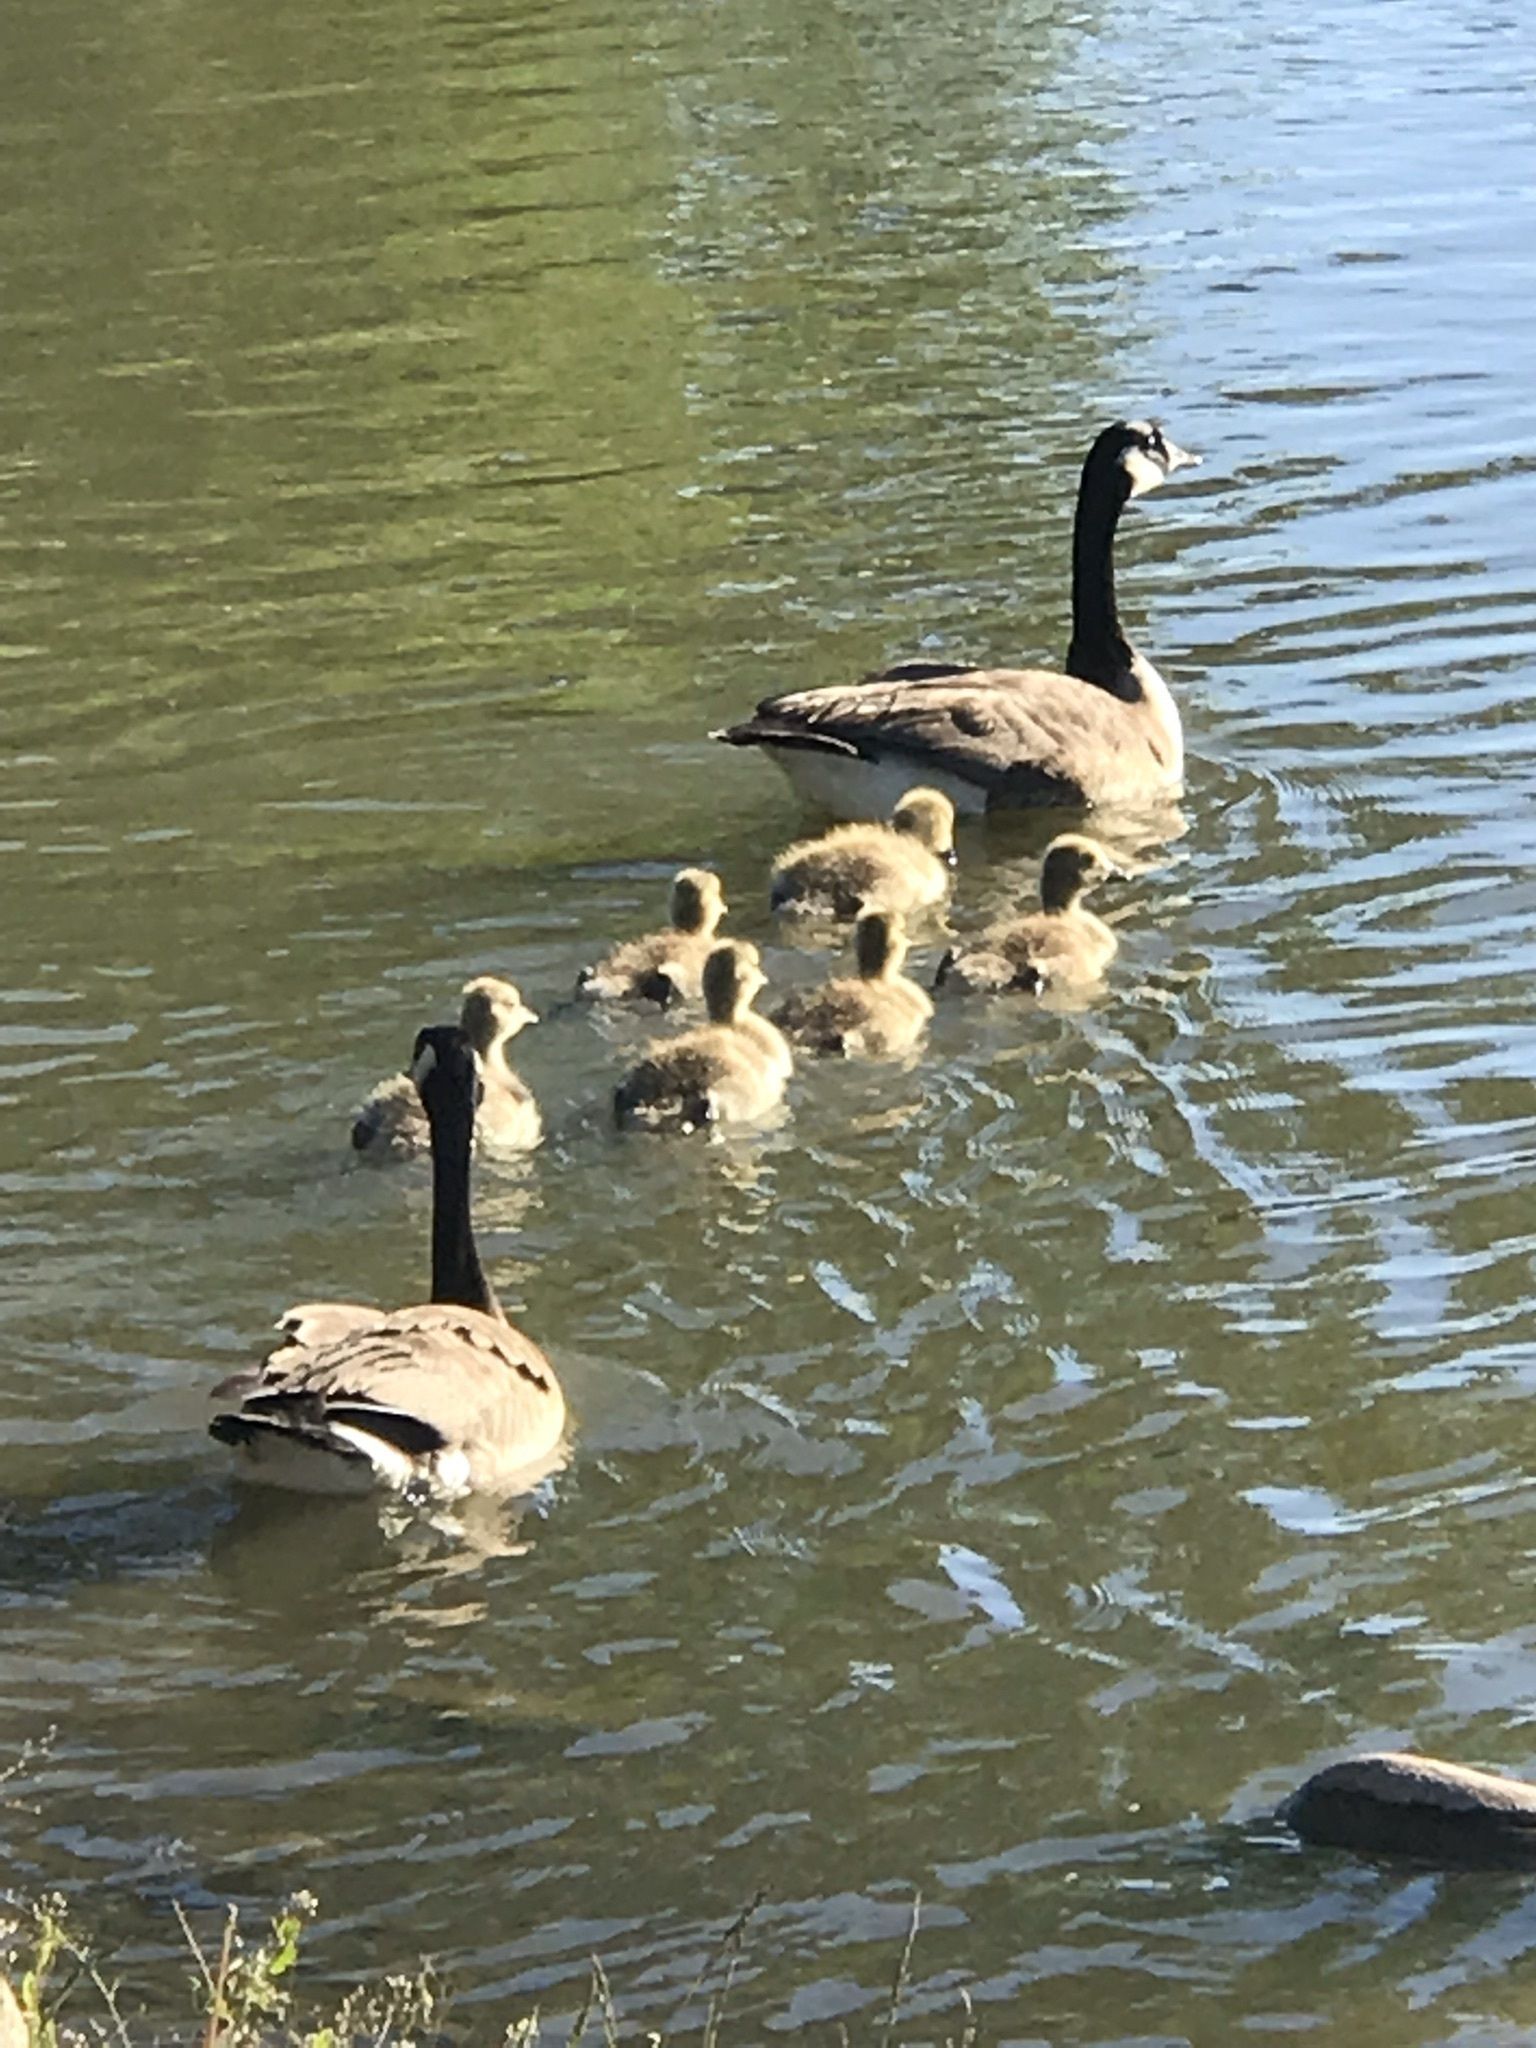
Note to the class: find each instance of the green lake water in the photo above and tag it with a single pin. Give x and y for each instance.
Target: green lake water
(1006, 1477)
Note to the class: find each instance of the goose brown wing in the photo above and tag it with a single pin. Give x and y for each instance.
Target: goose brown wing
(1023, 735)
(313, 1324)
(424, 1379)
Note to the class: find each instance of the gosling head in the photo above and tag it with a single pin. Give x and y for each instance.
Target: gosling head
(446, 1070)
(930, 818)
(698, 901)
(493, 1010)
(733, 975)
(1144, 453)
(879, 945)
(1073, 863)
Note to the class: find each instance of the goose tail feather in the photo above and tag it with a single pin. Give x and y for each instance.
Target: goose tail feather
(773, 732)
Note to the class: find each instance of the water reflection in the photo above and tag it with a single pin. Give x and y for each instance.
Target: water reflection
(1007, 1476)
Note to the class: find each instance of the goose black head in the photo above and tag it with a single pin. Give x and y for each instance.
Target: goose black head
(1144, 453)
(446, 1068)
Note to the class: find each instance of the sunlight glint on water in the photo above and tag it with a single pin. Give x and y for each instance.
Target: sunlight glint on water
(1008, 1476)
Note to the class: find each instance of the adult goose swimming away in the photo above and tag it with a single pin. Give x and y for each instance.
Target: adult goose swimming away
(666, 966)
(1107, 731)
(392, 1123)
(444, 1398)
(1392, 1803)
(1061, 942)
(904, 865)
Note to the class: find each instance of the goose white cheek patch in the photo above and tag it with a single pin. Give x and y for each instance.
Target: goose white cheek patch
(1144, 473)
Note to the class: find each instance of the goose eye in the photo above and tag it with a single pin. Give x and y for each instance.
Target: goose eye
(1156, 445)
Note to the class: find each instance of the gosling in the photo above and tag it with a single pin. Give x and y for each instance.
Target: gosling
(879, 1013)
(392, 1123)
(663, 967)
(903, 866)
(730, 1070)
(1060, 943)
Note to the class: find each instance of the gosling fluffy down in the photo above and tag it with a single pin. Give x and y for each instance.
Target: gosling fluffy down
(730, 1070)
(904, 865)
(392, 1123)
(666, 966)
(1060, 943)
(879, 1012)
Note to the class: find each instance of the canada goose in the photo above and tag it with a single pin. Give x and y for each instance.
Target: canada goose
(1059, 942)
(663, 967)
(878, 1012)
(392, 1123)
(1391, 1803)
(730, 1070)
(448, 1397)
(853, 868)
(1107, 731)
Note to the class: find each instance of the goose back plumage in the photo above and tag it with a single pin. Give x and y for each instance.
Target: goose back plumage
(352, 1399)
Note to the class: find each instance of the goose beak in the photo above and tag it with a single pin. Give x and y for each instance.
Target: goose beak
(1180, 458)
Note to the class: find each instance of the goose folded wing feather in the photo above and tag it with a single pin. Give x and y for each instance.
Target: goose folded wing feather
(1000, 728)
(451, 1370)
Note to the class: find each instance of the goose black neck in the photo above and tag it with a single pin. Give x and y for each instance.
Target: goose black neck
(457, 1275)
(1100, 652)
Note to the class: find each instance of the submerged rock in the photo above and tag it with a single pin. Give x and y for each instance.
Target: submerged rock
(1392, 1803)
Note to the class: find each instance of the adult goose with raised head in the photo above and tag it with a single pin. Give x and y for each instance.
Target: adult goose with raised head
(1105, 732)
